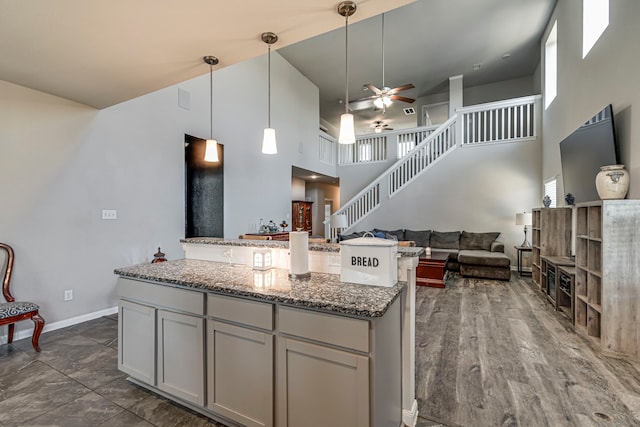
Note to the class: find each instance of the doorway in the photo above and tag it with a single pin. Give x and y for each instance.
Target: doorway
(204, 190)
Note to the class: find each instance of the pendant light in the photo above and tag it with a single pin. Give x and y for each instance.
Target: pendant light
(211, 150)
(269, 140)
(347, 129)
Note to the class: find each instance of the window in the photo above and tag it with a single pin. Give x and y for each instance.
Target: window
(404, 147)
(551, 66)
(595, 19)
(365, 153)
(550, 190)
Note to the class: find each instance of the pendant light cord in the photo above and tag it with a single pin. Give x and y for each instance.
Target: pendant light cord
(269, 88)
(211, 100)
(346, 63)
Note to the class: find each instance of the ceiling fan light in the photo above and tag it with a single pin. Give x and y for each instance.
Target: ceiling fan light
(386, 100)
(378, 102)
(347, 130)
(269, 142)
(211, 151)
(378, 129)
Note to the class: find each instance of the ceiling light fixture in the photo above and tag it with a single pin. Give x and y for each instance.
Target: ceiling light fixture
(211, 150)
(347, 129)
(269, 140)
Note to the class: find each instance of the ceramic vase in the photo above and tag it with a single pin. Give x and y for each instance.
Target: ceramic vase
(612, 182)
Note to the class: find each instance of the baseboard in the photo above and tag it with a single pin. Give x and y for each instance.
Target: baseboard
(60, 324)
(410, 417)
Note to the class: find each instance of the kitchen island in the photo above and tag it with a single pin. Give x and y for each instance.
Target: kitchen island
(257, 348)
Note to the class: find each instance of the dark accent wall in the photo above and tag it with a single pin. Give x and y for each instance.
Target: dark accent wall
(204, 192)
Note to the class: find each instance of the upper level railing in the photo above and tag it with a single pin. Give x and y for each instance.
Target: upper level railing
(499, 121)
(511, 120)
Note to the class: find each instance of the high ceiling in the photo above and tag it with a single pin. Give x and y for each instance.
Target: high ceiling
(425, 43)
(102, 52)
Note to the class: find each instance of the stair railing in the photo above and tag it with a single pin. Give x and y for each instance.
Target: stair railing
(401, 173)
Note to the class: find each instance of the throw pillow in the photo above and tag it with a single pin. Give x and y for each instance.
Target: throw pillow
(477, 241)
(420, 237)
(445, 239)
(398, 233)
(351, 236)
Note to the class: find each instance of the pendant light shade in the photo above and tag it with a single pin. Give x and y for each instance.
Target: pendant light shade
(269, 145)
(211, 149)
(347, 129)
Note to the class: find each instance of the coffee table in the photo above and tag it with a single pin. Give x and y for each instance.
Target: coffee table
(432, 270)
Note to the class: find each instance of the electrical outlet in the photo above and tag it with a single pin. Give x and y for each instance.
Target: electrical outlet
(68, 294)
(109, 214)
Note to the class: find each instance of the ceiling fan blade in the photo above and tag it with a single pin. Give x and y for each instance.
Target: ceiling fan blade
(403, 99)
(401, 88)
(366, 98)
(361, 104)
(373, 89)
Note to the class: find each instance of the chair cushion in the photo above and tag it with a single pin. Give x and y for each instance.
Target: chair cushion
(485, 258)
(16, 308)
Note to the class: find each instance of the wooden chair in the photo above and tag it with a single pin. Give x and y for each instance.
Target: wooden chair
(14, 311)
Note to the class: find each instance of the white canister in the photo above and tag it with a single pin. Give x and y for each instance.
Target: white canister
(369, 261)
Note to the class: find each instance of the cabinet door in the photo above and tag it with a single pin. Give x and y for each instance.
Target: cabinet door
(320, 386)
(240, 373)
(136, 341)
(181, 356)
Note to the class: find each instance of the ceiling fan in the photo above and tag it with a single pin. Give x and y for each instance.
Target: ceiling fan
(378, 126)
(384, 97)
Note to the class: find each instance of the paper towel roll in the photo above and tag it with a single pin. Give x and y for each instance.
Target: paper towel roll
(299, 253)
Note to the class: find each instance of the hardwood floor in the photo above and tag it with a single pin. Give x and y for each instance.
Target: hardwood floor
(493, 353)
(489, 353)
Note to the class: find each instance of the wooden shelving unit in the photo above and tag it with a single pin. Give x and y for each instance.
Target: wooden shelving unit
(608, 273)
(551, 228)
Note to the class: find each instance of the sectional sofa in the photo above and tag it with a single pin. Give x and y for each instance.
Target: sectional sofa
(472, 254)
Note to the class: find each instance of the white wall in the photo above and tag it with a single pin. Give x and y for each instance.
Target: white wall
(61, 163)
(608, 75)
(475, 189)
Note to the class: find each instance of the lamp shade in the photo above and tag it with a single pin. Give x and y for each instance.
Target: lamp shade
(347, 129)
(523, 218)
(211, 151)
(339, 221)
(269, 142)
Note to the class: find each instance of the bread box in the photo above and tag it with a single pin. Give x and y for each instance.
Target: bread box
(369, 261)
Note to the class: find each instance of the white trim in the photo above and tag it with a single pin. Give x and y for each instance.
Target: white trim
(410, 417)
(27, 333)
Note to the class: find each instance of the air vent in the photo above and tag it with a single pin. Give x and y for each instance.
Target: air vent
(409, 111)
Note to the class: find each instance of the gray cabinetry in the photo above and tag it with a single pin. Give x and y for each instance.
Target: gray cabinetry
(180, 355)
(337, 370)
(161, 338)
(322, 386)
(240, 360)
(136, 341)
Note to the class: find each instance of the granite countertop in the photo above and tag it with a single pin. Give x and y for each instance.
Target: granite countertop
(404, 251)
(321, 291)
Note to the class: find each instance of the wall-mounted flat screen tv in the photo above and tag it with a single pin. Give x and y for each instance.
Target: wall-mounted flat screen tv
(583, 152)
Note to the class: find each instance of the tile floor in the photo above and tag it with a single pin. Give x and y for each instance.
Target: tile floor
(74, 381)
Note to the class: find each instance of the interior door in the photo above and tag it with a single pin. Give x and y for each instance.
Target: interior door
(204, 192)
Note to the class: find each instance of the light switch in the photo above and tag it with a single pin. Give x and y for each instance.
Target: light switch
(109, 214)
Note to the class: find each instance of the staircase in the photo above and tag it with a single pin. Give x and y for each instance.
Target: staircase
(490, 123)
